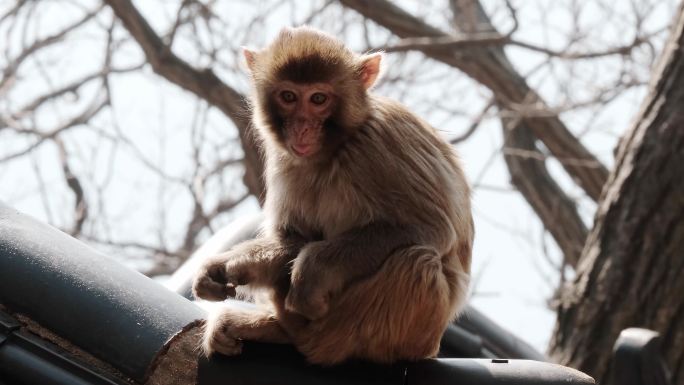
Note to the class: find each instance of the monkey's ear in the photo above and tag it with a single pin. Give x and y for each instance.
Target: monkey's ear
(250, 58)
(370, 69)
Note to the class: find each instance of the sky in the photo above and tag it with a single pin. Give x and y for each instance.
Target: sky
(513, 265)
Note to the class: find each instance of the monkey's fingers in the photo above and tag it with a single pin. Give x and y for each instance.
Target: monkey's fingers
(225, 345)
(238, 273)
(218, 339)
(207, 288)
(230, 290)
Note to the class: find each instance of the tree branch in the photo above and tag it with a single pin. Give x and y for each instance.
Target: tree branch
(203, 83)
(492, 69)
(98, 104)
(529, 175)
(11, 68)
(80, 203)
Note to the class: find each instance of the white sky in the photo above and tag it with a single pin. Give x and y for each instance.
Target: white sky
(514, 278)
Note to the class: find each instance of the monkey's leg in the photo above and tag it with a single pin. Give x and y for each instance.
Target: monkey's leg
(228, 326)
(256, 262)
(322, 269)
(398, 313)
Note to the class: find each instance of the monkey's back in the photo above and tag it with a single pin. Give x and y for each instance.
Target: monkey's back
(396, 168)
(416, 172)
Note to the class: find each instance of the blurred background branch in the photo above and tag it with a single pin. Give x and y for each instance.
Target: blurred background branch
(125, 123)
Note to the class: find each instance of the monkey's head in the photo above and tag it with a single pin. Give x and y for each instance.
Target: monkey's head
(310, 91)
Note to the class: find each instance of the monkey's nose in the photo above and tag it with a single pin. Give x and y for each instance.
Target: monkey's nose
(304, 125)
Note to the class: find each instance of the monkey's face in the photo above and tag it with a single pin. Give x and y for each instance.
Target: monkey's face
(303, 109)
(310, 92)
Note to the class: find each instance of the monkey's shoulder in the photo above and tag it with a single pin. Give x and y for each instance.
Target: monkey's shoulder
(396, 140)
(392, 112)
(409, 161)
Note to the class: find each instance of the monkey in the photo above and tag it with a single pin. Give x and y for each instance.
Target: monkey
(365, 250)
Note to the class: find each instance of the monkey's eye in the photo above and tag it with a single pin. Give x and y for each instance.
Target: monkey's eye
(318, 98)
(288, 96)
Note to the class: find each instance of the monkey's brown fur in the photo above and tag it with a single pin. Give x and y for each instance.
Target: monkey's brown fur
(367, 245)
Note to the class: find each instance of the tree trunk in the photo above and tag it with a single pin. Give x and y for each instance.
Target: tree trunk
(632, 268)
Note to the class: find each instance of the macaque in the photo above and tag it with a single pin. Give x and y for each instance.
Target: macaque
(365, 251)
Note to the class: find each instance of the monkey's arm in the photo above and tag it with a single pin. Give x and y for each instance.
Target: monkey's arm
(323, 268)
(257, 262)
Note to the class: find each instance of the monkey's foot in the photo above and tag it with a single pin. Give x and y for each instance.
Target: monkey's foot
(219, 337)
(311, 303)
(312, 283)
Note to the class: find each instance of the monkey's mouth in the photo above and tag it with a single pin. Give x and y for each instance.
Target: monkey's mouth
(303, 149)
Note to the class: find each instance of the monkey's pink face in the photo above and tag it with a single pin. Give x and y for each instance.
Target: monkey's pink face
(304, 109)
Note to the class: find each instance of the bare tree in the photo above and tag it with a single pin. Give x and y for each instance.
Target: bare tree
(625, 260)
(632, 265)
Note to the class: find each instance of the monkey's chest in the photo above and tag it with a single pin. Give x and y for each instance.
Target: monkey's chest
(331, 208)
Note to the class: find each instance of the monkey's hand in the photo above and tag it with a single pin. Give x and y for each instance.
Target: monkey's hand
(220, 335)
(219, 276)
(313, 283)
